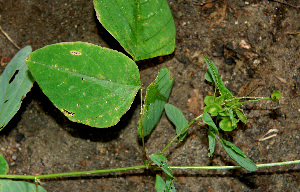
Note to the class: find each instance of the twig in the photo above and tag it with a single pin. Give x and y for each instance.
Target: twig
(297, 7)
(8, 37)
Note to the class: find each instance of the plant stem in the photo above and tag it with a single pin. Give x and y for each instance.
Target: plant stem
(142, 128)
(181, 132)
(236, 167)
(35, 177)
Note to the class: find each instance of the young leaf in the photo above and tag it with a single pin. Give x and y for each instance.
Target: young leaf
(208, 120)
(238, 156)
(226, 124)
(89, 84)
(156, 97)
(145, 29)
(241, 115)
(162, 162)
(15, 82)
(275, 96)
(213, 109)
(213, 75)
(177, 118)
(3, 165)
(211, 142)
(208, 100)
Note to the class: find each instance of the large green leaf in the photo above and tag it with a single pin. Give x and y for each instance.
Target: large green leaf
(3, 165)
(145, 28)
(155, 100)
(19, 186)
(177, 118)
(89, 84)
(15, 82)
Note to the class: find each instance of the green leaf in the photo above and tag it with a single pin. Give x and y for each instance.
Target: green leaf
(3, 165)
(238, 156)
(275, 96)
(177, 118)
(18, 186)
(208, 120)
(213, 75)
(211, 142)
(213, 109)
(226, 124)
(145, 28)
(156, 97)
(162, 186)
(89, 84)
(241, 115)
(170, 184)
(208, 100)
(162, 162)
(15, 82)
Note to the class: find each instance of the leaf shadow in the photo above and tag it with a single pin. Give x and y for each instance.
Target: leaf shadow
(80, 130)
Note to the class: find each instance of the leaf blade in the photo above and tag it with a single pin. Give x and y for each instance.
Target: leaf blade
(15, 82)
(177, 118)
(89, 84)
(145, 29)
(157, 95)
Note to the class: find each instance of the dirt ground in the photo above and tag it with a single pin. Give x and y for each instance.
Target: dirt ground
(255, 44)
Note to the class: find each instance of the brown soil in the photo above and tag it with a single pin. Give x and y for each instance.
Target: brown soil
(40, 140)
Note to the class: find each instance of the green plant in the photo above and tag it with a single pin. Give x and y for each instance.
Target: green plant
(96, 86)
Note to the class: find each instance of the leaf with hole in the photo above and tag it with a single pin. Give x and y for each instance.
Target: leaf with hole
(15, 82)
(3, 165)
(145, 29)
(162, 186)
(156, 97)
(19, 186)
(162, 162)
(238, 156)
(177, 118)
(89, 84)
(211, 142)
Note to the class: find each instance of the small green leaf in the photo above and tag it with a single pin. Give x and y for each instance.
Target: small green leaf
(226, 124)
(177, 118)
(241, 115)
(15, 82)
(89, 84)
(275, 96)
(208, 120)
(213, 75)
(162, 162)
(145, 29)
(211, 142)
(238, 156)
(3, 165)
(208, 100)
(156, 97)
(213, 109)
(18, 186)
(160, 184)
(170, 184)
